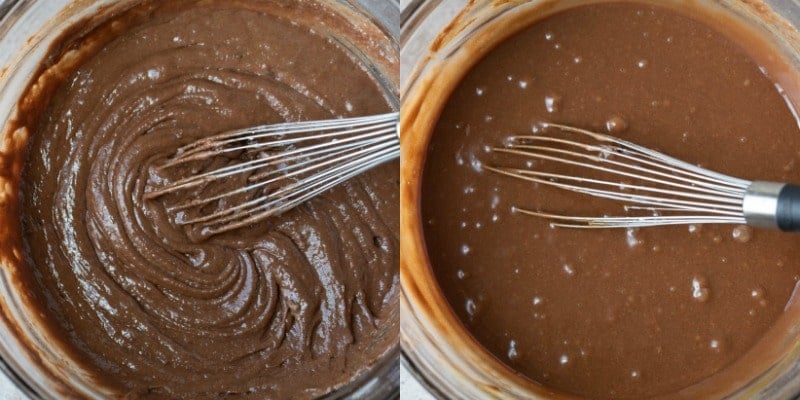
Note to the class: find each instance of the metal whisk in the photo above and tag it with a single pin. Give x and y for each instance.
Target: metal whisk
(284, 164)
(654, 188)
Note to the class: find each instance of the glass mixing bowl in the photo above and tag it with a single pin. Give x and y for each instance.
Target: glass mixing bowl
(440, 40)
(37, 367)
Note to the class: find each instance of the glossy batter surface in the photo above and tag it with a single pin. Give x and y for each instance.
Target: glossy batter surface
(289, 308)
(610, 313)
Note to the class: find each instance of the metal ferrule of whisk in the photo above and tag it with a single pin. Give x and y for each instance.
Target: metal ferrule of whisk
(772, 205)
(654, 189)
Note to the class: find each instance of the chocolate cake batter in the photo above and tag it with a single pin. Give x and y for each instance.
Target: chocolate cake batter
(289, 308)
(611, 313)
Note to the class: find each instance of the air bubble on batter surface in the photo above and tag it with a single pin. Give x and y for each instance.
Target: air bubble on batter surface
(512, 350)
(700, 289)
(631, 239)
(552, 103)
(471, 307)
(742, 233)
(760, 296)
(616, 124)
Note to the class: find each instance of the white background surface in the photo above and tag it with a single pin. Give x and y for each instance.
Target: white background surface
(7, 389)
(410, 389)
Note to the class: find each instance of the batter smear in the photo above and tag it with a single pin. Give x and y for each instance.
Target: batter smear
(289, 308)
(611, 313)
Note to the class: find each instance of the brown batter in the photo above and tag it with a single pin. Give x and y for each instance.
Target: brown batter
(289, 308)
(610, 313)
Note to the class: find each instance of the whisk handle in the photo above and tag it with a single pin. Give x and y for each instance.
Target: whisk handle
(772, 205)
(788, 211)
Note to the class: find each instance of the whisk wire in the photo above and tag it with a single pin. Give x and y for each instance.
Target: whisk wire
(253, 144)
(698, 187)
(339, 168)
(215, 146)
(643, 163)
(665, 161)
(272, 206)
(563, 221)
(612, 195)
(286, 172)
(321, 129)
(283, 164)
(554, 179)
(308, 153)
(673, 191)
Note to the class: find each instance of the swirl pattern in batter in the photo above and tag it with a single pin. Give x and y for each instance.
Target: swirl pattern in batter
(289, 308)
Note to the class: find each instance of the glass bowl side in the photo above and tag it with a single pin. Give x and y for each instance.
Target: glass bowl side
(39, 368)
(435, 347)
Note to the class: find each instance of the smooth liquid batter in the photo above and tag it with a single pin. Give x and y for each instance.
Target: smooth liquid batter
(610, 313)
(289, 308)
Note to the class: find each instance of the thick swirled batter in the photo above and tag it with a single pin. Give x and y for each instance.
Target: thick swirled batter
(289, 308)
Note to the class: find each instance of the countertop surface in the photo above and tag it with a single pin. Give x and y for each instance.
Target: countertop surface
(8, 391)
(410, 389)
